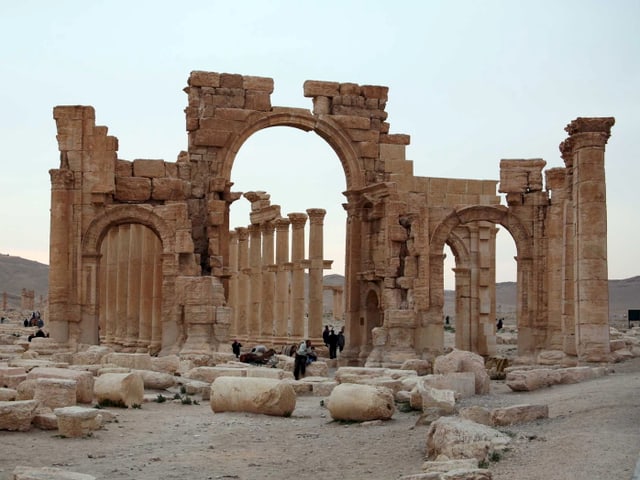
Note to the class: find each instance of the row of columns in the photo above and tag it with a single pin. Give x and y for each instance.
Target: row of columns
(267, 287)
(131, 288)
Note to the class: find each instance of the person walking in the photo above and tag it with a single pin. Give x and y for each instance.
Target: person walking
(333, 344)
(341, 339)
(235, 347)
(300, 363)
(325, 335)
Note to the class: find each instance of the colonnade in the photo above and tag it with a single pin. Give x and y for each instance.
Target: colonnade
(267, 286)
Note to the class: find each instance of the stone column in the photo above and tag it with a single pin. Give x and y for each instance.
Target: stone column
(233, 282)
(587, 140)
(298, 221)
(316, 253)
(243, 280)
(124, 242)
(462, 308)
(268, 282)
(255, 279)
(353, 322)
(555, 182)
(109, 276)
(60, 241)
(150, 251)
(282, 278)
(134, 278)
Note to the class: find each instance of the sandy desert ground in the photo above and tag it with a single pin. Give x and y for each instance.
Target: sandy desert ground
(592, 433)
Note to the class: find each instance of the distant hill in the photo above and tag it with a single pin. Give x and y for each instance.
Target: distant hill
(17, 273)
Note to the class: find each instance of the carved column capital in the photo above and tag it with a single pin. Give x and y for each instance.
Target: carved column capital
(298, 220)
(243, 233)
(316, 215)
(588, 132)
(282, 224)
(61, 179)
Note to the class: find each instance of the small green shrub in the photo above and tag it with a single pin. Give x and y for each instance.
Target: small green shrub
(186, 400)
(183, 389)
(161, 398)
(495, 457)
(177, 396)
(483, 464)
(136, 405)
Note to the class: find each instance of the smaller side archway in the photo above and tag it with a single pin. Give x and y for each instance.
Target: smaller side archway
(527, 301)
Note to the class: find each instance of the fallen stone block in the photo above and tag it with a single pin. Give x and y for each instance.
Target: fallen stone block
(529, 380)
(10, 377)
(209, 374)
(93, 355)
(460, 438)
(462, 383)
(168, 364)
(264, 372)
(361, 403)
(45, 421)
(254, 395)
(134, 361)
(156, 380)
(421, 367)
(55, 392)
(84, 380)
(516, 414)
(477, 414)
(126, 389)
(17, 415)
(76, 421)
(463, 361)
(8, 394)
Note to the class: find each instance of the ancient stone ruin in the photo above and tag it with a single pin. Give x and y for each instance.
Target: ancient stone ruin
(142, 257)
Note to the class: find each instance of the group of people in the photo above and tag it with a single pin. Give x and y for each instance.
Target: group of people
(334, 341)
(34, 321)
(305, 352)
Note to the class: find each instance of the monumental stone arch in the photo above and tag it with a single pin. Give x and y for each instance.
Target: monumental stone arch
(142, 256)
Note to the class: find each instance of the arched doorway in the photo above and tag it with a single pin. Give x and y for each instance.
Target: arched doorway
(481, 334)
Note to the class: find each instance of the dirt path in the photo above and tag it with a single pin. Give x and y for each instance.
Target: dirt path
(593, 434)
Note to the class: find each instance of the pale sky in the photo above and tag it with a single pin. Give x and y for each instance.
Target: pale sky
(471, 82)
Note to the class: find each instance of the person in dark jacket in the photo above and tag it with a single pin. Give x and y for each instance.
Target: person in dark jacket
(332, 340)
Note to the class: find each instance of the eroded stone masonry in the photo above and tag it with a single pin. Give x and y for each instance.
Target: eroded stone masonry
(143, 257)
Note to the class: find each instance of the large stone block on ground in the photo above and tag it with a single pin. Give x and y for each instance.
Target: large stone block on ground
(8, 394)
(362, 403)
(55, 392)
(76, 421)
(254, 395)
(156, 380)
(460, 438)
(420, 366)
(18, 415)
(426, 397)
(10, 377)
(47, 473)
(515, 414)
(120, 388)
(91, 356)
(134, 361)
(262, 372)
(84, 380)
(576, 374)
(209, 374)
(529, 380)
(394, 379)
(462, 383)
(464, 361)
(167, 364)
